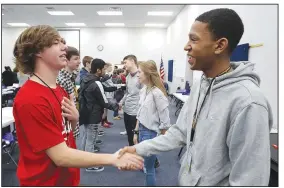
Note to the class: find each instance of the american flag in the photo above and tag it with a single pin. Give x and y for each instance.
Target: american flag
(162, 71)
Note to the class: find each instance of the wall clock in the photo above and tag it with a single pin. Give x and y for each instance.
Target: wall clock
(100, 47)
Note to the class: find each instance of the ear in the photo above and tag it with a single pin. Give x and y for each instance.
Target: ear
(39, 55)
(221, 45)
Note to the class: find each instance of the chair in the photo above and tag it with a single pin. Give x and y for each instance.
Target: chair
(8, 145)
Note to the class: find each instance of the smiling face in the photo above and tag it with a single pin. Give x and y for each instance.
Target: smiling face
(74, 62)
(55, 55)
(200, 47)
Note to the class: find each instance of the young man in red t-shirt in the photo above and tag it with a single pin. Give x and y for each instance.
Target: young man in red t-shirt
(45, 118)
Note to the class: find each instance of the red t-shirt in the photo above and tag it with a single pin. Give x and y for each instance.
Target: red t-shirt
(40, 126)
(123, 78)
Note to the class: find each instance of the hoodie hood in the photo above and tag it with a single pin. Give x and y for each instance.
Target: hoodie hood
(241, 71)
(90, 77)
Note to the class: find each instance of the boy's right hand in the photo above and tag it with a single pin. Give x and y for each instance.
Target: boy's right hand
(128, 161)
(126, 149)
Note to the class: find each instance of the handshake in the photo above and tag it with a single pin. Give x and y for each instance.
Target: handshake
(127, 159)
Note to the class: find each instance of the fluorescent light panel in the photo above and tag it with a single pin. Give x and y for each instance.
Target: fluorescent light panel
(60, 13)
(18, 24)
(160, 13)
(109, 13)
(154, 25)
(114, 24)
(75, 24)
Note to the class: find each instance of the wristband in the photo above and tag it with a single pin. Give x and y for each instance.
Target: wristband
(135, 132)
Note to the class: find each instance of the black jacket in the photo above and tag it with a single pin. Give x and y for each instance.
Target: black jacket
(92, 100)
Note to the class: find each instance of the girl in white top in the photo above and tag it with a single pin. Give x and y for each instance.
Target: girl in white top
(153, 114)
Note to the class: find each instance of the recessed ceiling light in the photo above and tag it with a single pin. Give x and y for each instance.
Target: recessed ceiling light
(154, 25)
(75, 24)
(160, 13)
(18, 24)
(109, 13)
(60, 13)
(2, 14)
(115, 8)
(114, 24)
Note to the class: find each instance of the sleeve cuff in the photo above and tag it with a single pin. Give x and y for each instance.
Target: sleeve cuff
(140, 149)
(164, 126)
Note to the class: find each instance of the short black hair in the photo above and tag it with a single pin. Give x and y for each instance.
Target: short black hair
(71, 51)
(224, 22)
(7, 68)
(132, 57)
(97, 64)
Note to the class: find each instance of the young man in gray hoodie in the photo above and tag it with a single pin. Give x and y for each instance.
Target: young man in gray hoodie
(225, 124)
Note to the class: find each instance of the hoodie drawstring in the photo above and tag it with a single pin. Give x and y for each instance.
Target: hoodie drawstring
(210, 96)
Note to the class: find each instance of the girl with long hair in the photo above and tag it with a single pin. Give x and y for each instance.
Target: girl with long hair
(153, 114)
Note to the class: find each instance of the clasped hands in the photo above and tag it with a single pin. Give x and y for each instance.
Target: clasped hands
(127, 159)
(124, 159)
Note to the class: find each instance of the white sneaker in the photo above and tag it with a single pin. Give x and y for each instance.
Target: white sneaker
(123, 133)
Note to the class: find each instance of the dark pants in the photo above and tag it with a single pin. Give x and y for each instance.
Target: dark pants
(130, 123)
(115, 113)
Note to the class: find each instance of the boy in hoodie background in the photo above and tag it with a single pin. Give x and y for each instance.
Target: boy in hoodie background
(225, 124)
(107, 83)
(92, 103)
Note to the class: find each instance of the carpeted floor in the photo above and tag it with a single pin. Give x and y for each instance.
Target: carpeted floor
(166, 174)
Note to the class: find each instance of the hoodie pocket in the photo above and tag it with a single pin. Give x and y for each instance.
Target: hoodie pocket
(188, 177)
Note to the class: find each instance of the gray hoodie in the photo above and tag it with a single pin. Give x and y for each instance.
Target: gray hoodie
(231, 144)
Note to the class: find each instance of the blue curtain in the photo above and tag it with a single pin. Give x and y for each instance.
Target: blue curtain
(240, 53)
(170, 70)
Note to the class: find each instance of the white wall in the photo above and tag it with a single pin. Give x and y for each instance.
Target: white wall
(145, 43)
(72, 38)
(9, 37)
(260, 23)
(118, 42)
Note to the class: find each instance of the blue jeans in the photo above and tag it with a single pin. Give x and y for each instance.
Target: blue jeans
(149, 162)
(115, 113)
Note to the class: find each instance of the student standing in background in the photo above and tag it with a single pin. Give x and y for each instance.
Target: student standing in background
(87, 67)
(66, 77)
(131, 97)
(8, 76)
(109, 92)
(122, 74)
(153, 113)
(92, 104)
(118, 95)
